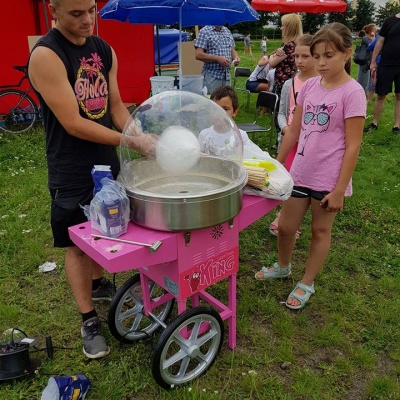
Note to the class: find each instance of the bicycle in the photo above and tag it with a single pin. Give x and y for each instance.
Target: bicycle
(18, 110)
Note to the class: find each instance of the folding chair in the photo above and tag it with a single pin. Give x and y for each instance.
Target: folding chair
(240, 84)
(269, 101)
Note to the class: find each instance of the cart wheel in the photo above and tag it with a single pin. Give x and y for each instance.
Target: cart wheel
(126, 319)
(187, 347)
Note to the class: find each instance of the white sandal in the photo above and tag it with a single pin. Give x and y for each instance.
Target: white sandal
(302, 298)
(275, 272)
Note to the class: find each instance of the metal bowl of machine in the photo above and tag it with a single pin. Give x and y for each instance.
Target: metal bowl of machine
(194, 177)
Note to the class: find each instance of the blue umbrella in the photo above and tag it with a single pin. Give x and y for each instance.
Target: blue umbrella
(182, 12)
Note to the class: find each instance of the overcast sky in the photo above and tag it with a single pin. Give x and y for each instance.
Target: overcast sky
(379, 3)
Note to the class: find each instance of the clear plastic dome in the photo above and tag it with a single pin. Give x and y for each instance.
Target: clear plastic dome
(193, 152)
(178, 118)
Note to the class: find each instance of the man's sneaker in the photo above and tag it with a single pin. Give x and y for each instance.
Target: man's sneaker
(395, 130)
(104, 292)
(94, 342)
(370, 127)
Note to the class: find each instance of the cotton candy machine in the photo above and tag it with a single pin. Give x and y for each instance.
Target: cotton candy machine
(187, 210)
(194, 177)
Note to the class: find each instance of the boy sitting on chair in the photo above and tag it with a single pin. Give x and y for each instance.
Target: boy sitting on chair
(217, 140)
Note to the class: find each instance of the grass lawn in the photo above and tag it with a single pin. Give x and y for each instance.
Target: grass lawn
(344, 345)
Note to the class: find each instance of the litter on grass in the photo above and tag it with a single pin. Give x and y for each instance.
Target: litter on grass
(47, 266)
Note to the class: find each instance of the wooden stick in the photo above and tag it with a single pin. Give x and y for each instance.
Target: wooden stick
(256, 176)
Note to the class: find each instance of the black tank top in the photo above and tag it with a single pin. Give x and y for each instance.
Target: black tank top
(70, 159)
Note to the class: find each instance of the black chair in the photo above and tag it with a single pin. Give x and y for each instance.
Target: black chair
(266, 101)
(239, 83)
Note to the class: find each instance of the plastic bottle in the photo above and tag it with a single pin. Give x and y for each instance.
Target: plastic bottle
(98, 173)
(111, 211)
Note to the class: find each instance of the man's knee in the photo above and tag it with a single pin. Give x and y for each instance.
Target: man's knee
(76, 252)
(380, 97)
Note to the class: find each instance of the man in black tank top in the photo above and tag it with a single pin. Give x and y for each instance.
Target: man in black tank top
(74, 74)
(388, 71)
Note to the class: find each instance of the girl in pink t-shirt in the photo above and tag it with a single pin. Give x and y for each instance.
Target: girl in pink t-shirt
(290, 90)
(327, 124)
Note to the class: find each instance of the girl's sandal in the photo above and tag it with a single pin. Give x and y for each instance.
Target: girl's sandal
(302, 298)
(274, 272)
(273, 229)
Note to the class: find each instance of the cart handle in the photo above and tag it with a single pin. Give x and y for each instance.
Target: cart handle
(153, 247)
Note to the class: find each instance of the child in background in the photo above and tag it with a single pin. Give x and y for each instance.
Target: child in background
(264, 41)
(291, 88)
(327, 124)
(257, 81)
(372, 74)
(215, 141)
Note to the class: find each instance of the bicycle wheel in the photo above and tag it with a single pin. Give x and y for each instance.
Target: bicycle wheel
(18, 111)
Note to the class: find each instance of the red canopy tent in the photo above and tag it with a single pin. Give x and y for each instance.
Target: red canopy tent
(134, 45)
(296, 6)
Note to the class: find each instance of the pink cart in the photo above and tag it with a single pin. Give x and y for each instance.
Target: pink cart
(174, 266)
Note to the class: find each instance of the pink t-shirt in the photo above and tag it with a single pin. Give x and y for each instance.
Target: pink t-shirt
(321, 143)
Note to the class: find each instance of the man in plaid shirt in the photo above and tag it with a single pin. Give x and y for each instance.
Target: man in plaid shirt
(216, 48)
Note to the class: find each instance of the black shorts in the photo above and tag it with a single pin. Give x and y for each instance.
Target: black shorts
(385, 77)
(303, 192)
(66, 211)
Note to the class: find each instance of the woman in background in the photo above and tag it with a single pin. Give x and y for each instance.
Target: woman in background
(363, 70)
(283, 59)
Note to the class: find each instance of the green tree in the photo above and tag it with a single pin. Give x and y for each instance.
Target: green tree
(345, 18)
(391, 8)
(255, 28)
(364, 14)
(312, 22)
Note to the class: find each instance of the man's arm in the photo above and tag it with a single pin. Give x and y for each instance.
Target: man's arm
(235, 56)
(49, 77)
(201, 55)
(377, 50)
(119, 113)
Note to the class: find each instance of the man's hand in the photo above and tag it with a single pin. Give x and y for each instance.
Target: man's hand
(145, 144)
(224, 62)
(236, 61)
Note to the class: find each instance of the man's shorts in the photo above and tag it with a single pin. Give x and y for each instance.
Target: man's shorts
(301, 192)
(385, 76)
(213, 83)
(66, 211)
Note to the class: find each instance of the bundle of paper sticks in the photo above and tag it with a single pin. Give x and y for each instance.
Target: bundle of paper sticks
(256, 176)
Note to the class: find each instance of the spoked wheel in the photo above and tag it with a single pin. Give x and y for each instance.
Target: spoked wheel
(126, 318)
(18, 111)
(187, 347)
